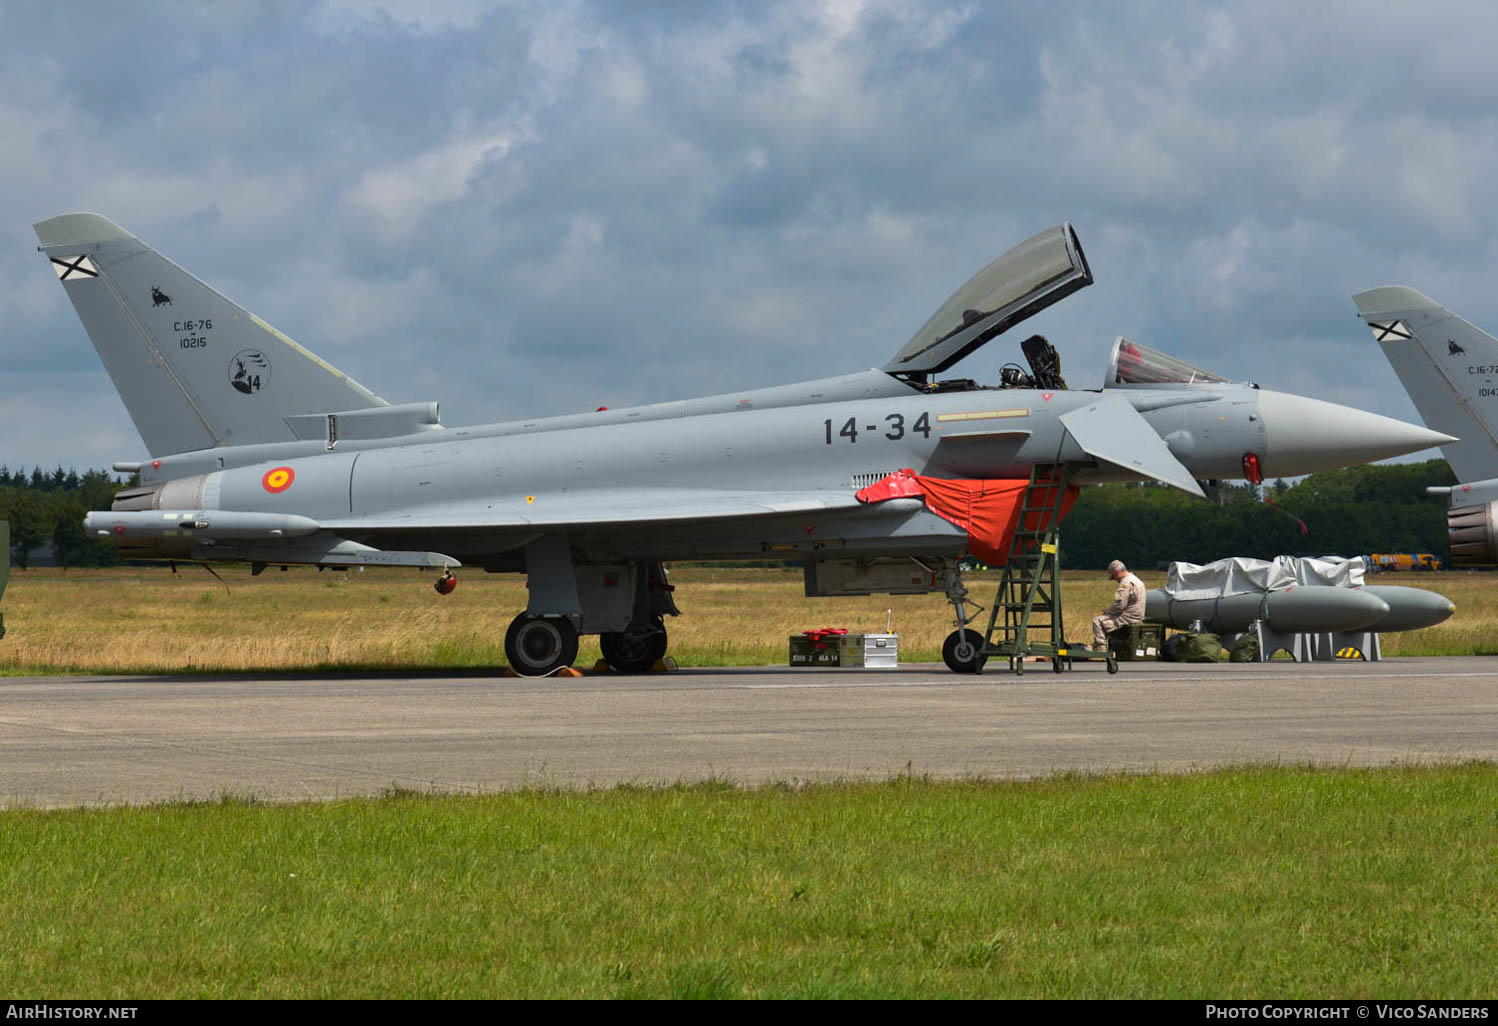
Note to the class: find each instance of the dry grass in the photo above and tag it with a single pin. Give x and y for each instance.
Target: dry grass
(1472, 629)
(150, 620)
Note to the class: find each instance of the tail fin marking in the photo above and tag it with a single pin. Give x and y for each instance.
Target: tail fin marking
(1449, 368)
(195, 369)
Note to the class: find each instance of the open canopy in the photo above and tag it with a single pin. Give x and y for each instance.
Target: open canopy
(1027, 279)
(1134, 364)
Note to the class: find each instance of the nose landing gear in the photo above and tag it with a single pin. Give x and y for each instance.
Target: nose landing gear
(963, 649)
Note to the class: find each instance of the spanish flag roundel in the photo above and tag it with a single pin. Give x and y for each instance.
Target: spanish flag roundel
(278, 479)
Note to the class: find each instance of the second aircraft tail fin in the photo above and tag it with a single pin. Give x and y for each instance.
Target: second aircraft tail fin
(1449, 368)
(195, 369)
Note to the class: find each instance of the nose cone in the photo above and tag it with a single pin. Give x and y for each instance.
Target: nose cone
(1409, 608)
(1306, 435)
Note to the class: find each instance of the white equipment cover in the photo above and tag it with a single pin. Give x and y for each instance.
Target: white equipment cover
(1239, 576)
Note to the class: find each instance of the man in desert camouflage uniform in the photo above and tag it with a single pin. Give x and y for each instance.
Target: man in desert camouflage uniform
(1127, 607)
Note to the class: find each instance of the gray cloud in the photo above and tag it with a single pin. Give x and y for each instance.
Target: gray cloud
(535, 207)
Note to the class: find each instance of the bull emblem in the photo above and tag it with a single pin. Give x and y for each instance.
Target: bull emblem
(159, 298)
(1452, 349)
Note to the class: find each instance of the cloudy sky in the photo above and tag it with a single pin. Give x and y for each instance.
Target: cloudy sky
(531, 208)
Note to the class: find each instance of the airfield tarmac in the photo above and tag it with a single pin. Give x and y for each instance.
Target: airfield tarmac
(68, 741)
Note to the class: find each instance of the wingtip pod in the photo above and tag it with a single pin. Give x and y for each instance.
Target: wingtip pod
(77, 229)
(136, 527)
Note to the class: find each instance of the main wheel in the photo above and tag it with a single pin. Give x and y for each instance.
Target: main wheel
(634, 652)
(538, 645)
(963, 651)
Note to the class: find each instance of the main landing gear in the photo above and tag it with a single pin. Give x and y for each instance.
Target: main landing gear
(538, 645)
(623, 603)
(634, 651)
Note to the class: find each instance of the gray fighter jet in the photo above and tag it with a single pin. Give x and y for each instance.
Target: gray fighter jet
(1450, 370)
(879, 480)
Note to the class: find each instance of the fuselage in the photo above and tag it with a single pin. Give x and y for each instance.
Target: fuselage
(875, 417)
(984, 433)
(811, 437)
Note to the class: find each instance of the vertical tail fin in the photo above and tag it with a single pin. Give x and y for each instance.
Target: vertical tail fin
(194, 368)
(1448, 367)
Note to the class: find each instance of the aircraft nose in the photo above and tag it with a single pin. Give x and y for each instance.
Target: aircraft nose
(1305, 435)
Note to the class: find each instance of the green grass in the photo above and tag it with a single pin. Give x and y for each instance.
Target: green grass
(1240, 883)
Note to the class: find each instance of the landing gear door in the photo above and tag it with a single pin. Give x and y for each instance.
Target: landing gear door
(1019, 284)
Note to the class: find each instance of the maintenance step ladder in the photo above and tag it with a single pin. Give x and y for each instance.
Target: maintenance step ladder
(1026, 616)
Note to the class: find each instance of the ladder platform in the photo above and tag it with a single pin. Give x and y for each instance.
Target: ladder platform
(1025, 620)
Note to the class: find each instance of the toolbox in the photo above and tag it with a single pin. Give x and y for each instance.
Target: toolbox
(838, 648)
(1137, 641)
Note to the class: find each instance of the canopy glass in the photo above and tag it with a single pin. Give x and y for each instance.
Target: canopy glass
(1019, 284)
(1134, 363)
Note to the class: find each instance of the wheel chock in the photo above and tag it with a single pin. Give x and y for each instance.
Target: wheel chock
(665, 665)
(602, 666)
(565, 671)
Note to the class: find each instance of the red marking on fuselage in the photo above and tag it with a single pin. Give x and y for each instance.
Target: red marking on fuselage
(278, 479)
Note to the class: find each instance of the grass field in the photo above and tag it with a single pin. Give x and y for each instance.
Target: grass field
(1253, 883)
(140, 621)
(1242, 883)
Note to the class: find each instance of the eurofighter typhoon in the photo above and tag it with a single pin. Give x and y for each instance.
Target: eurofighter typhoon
(878, 480)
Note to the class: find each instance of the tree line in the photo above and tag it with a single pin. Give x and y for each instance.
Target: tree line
(40, 480)
(48, 508)
(1347, 512)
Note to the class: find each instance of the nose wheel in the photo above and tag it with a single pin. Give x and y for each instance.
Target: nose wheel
(538, 645)
(963, 651)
